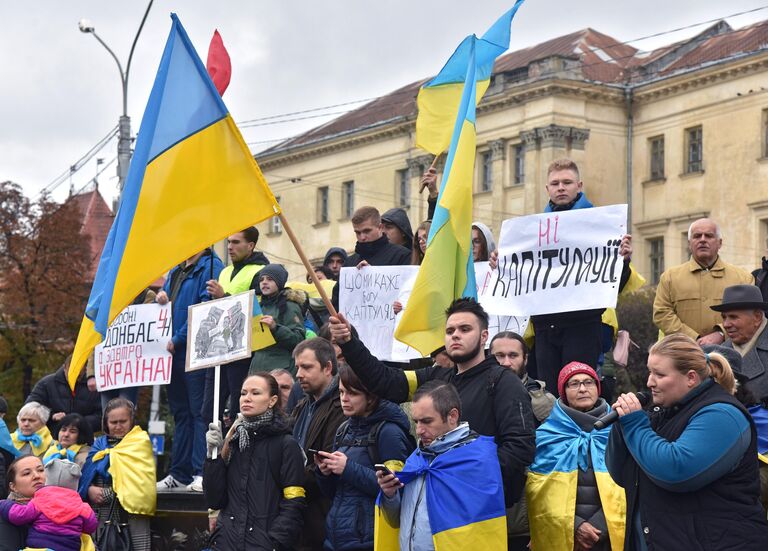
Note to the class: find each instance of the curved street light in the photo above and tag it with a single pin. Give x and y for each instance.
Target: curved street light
(124, 127)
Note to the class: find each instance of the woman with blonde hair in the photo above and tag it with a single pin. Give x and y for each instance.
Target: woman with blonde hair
(32, 437)
(688, 466)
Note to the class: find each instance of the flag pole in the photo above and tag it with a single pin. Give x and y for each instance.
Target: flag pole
(307, 265)
(216, 387)
(433, 165)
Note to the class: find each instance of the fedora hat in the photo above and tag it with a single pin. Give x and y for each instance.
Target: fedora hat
(741, 297)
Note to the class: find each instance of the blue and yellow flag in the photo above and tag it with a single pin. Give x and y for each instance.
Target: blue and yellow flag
(464, 496)
(562, 448)
(449, 100)
(192, 181)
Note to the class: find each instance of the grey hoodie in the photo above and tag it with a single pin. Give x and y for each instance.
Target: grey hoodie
(490, 242)
(399, 218)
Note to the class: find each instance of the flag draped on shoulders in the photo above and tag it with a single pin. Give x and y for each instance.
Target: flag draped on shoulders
(462, 513)
(192, 181)
(562, 448)
(446, 119)
(130, 464)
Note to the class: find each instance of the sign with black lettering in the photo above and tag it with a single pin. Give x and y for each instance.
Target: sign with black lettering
(134, 351)
(558, 262)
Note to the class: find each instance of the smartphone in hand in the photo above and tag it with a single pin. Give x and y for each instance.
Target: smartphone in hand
(380, 467)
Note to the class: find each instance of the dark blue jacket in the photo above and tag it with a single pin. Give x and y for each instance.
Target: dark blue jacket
(192, 291)
(349, 524)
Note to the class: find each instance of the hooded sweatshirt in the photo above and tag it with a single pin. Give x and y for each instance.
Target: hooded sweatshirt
(490, 242)
(399, 218)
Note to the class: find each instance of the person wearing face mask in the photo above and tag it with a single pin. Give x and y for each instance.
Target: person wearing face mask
(256, 479)
(118, 477)
(689, 466)
(572, 501)
(376, 432)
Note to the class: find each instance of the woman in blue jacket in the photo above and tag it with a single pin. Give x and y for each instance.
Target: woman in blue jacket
(376, 431)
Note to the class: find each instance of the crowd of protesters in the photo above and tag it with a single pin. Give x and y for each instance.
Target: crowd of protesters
(318, 444)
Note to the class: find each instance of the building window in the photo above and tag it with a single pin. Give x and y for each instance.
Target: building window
(656, 146)
(322, 205)
(274, 224)
(685, 249)
(656, 258)
(347, 199)
(519, 164)
(486, 180)
(403, 189)
(695, 149)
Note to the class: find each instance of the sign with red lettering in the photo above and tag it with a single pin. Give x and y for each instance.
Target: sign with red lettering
(134, 351)
(557, 262)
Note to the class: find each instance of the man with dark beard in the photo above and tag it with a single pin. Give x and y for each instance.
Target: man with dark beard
(494, 401)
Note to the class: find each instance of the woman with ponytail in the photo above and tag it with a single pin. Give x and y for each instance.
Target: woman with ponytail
(689, 465)
(255, 479)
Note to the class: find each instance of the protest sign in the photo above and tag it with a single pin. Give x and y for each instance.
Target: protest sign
(558, 262)
(134, 351)
(366, 297)
(219, 331)
(496, 322)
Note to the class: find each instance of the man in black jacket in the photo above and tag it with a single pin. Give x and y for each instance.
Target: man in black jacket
(373, 247)
(53, 392)
(494, 401)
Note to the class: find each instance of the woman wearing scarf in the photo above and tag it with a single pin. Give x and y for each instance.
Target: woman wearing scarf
(119, 474)
(74, 443)
(572, 501)
(32, 437)
(256, 479)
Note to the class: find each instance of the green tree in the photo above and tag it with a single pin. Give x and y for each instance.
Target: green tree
(43, 259)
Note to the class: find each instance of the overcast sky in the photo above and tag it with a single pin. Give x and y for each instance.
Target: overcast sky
(61, 91)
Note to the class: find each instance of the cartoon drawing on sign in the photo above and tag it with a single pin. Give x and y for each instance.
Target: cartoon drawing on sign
(219, 331)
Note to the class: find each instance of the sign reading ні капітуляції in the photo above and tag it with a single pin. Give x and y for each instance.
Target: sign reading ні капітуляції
(134, 351)
(366, 297)
(558, 262)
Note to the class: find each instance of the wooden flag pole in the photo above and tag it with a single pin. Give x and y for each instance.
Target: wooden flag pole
(434, 163)
(307, 265)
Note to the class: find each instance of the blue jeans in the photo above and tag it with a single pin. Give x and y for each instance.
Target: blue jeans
(185, 394)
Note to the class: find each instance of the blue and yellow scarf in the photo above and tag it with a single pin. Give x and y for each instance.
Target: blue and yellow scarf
(39, 441)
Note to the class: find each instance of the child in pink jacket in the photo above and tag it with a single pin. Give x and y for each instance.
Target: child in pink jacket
(56, 514)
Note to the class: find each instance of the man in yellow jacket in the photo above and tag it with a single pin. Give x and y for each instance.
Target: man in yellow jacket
(686, 292)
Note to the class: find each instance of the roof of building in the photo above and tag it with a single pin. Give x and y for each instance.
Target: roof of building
(589, 55)
(97, 219)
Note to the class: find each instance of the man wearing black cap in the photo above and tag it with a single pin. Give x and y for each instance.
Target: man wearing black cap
(744, 321)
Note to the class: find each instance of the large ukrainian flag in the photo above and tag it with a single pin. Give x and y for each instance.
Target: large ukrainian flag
(562, 448)
(448, 101)
(192, 181)
(462, 513)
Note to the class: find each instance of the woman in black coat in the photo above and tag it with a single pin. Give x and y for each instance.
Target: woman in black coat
(256, 480)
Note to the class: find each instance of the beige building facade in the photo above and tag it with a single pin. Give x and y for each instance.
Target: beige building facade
(678, 133)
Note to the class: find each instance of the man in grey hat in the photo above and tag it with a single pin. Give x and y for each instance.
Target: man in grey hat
(744, 321)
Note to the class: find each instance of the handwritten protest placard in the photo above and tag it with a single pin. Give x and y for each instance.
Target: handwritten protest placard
(366, 297)
(134, 351)
(496, 323)
(558, 262)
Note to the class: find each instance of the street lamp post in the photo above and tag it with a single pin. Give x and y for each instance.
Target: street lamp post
(124, 126)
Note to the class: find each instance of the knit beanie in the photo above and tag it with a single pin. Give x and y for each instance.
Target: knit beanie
(278, 274)
(571, 369)
(62, 473)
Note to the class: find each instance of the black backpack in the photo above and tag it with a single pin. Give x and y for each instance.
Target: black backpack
(370, 441)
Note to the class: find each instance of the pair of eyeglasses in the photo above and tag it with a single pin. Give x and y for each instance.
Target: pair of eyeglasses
(588, 383)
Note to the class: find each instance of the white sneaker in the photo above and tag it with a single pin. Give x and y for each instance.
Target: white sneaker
(196, 485)
(170, 484)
